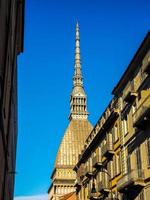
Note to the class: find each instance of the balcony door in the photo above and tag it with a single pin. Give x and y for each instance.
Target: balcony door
(138, 161)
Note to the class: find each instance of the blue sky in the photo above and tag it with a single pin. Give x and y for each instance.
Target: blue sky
(110, 32)
(32, 197)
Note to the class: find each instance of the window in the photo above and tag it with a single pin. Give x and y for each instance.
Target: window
(114, 167)
(94, 154)
(90, 164)
(109, 140)
(125, 125)
(54, 189)
(138, 158)
(128, 164)
(106, 180)
(148, 151)
(115, 133)
(104, 142)
(99, 153)
(117, 164)
(133, 108)
(99, 177)
(138, 161)
(132, 84)
(110, 167)
(104, 177)
(133, 111)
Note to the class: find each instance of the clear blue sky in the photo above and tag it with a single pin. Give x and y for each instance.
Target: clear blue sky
(111, 32)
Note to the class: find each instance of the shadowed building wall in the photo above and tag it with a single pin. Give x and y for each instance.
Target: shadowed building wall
(11, 44)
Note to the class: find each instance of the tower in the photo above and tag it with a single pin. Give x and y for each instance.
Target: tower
(78, 101)
(63, 176)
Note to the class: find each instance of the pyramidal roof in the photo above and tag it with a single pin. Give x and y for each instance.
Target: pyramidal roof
(73, 142)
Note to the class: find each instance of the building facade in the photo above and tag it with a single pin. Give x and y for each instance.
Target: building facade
(115, 161)
(63, 176)
(11, 45)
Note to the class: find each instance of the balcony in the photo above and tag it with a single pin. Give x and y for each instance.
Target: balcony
(130, 94)
(104, 188)
(107, 149)
(142, 114)
(130, 97)
(96, 162)
(113, 115)
(134, 179)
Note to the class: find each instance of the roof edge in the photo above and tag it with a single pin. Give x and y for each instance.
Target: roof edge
(128, 72)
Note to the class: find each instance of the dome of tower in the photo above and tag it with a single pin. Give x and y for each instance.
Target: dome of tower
(78, 91)
(73, 142)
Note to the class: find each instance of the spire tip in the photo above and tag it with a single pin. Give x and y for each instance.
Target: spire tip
(77, 24)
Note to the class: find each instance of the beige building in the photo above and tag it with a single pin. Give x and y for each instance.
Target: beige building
(115, 161)
(63, 176)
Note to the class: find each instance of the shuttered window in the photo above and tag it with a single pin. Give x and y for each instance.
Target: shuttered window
(125, 124)
(118, 168)
(148, 151)
(115, 133)
(138, 162)
(111, 169)
(128, 164)
(138, 158)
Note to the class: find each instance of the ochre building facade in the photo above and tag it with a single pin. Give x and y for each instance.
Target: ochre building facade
(63, 176)
(115, 161)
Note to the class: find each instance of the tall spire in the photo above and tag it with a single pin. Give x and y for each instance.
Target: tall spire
(78, 100)
(77, 79)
